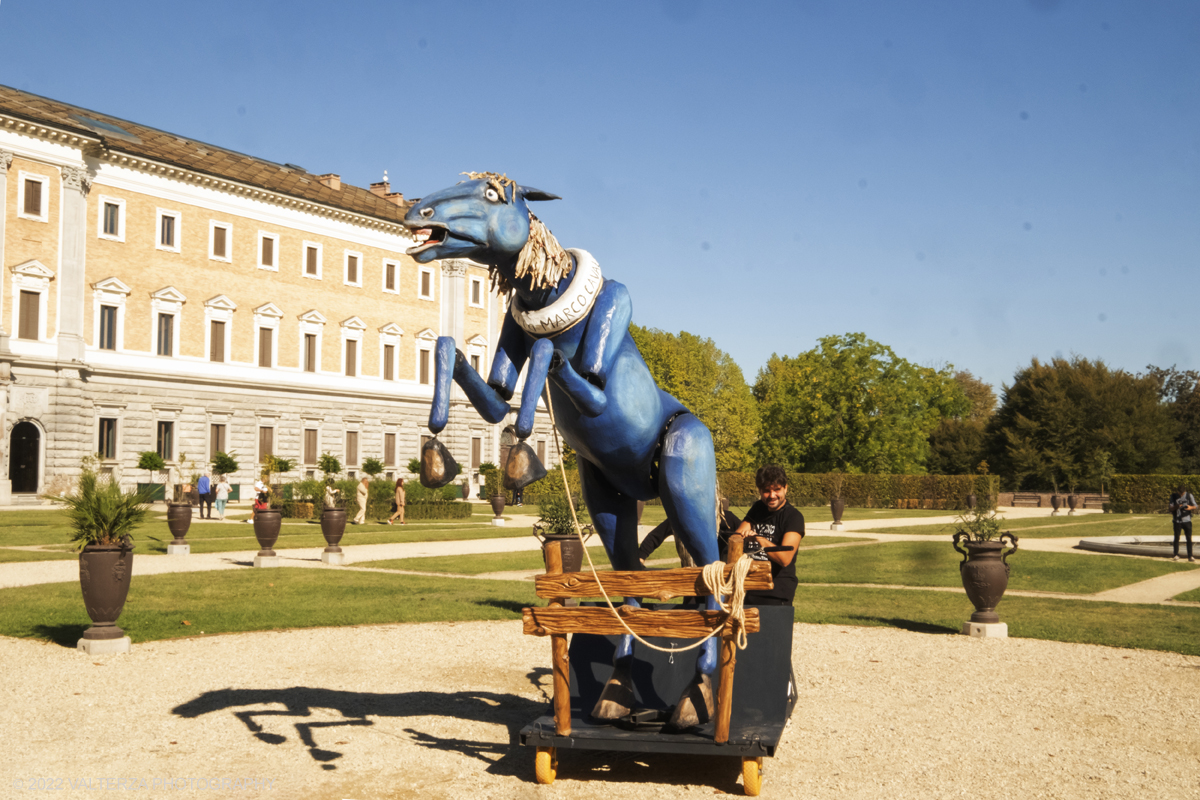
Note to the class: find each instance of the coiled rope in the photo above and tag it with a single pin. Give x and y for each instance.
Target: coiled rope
(714, 573)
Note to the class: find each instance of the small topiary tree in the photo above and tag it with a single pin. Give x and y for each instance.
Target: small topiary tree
(372, 466)
(224, 464)
(151, 462)
(414, 466)
(329, 465)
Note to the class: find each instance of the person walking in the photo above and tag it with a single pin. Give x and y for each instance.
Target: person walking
(398, 503)
(260, 491)
(1182, 505)
(362, 494)
(221, 493)
(204, 494)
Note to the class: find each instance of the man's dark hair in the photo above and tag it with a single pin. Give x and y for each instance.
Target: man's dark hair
(770, 475)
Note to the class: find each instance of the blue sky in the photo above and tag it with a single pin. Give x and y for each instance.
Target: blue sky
(968, 183)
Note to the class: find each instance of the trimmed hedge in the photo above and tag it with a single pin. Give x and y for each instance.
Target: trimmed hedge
(1146, 494)
(434, 509)
(869, 491)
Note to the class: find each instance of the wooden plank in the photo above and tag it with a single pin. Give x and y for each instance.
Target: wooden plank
(559, 664)
(660, 584)
(555, 620)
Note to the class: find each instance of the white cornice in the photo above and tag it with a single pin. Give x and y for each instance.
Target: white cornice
(43, 132)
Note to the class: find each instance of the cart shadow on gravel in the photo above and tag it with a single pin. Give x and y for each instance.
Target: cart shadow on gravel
(259, 709)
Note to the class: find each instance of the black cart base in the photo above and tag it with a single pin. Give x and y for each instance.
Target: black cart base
(764, 695)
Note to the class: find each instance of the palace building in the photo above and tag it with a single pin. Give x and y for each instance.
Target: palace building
(160, 293)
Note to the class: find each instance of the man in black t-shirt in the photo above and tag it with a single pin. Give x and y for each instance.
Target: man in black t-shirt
(1182, 504)
(772, 522)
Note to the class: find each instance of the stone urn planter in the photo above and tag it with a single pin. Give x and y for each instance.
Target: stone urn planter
(837, 507)
(266, 531)
(984, 570)
(333, 527)
(1072, 502)
(498, 501)
(179, 519)
(104, 574)
(972, 500)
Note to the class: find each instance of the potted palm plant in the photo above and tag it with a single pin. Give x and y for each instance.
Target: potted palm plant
(103, 519)
(984, 568)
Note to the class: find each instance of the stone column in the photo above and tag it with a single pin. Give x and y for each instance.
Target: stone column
(72, 281)
(6, 158)
(454, 299)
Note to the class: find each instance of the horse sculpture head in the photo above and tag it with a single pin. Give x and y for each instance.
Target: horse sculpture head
(487, 220)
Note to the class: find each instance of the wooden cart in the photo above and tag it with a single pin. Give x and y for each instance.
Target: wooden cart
(754, 701)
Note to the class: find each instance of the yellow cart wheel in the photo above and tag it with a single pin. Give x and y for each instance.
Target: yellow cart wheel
(546, 765)
(752, 775)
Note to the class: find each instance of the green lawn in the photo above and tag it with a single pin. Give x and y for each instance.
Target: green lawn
(936, 564)
(51, 529)
(1188, 597)
(1059, 527)
(1146, 627)
(261, 599)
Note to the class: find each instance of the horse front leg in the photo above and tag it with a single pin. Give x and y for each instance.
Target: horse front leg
(607, 325)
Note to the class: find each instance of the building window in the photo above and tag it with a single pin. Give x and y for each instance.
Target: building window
(112, 219)
(106, 447)
(108, 327)
(310, 446)
(426, 284)
(216, 342)
(165, 440)
(310, 352)
(266, 442)
(351, 448)
(312, 260)
(390, 273)
(265, 339)
(169, 230)
(476, 452)
(33, 202)
(423, 375)
(351, 358)
(216, 440)
(268, 250)
(166, 334)
(220, 244)
(28, 310)
(475, 363)
(353, 260)
(477, 292)
(541, 450)
(389, 449)
(424, 440)
(389, 362)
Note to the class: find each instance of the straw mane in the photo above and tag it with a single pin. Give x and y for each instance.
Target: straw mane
(542, 257)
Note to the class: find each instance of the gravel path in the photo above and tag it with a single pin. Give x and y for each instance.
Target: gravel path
(408, 711)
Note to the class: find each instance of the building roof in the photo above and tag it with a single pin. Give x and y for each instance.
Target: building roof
(117, 135)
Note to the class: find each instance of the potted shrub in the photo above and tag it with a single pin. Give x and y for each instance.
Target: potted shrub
(333, 511)
(153, 463)
(555, 523)
(984, 568)
(267, 521)
(494, 492)
(104, 518)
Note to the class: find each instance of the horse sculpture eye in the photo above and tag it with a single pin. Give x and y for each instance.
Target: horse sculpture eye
(490, 194)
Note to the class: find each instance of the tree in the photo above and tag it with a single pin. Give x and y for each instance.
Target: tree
(852, 404)
(151, 461)
(225, 463)
(956, 445)
(372, 466)
(1057, 418)
(709, 383)
(330, 466)
(1180, 390)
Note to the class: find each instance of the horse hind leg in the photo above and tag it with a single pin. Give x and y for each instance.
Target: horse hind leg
(615, 519)
(687, 483)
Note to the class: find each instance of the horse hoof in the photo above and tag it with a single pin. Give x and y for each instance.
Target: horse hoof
(522, 468)
(695, 706)
(438, 467)
(616, 700)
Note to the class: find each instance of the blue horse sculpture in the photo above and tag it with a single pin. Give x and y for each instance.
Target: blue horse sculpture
(571, 326)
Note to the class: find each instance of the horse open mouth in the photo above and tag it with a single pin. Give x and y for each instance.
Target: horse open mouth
(427, 238)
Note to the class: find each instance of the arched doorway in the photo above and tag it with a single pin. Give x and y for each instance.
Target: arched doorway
(24, 452)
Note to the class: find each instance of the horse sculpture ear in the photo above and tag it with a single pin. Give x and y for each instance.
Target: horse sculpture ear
(537, 194)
